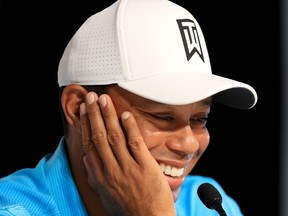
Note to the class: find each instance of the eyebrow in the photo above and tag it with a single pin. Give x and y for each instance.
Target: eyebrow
(204, 102)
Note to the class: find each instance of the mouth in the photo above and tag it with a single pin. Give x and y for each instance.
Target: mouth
(171, 171)
(174, 175)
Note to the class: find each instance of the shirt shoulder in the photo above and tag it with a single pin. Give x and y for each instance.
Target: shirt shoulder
(47, 190)
(24, 191)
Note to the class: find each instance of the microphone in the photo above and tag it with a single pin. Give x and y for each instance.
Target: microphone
(211, 198)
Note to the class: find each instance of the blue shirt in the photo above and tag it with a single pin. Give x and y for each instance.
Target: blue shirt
(49, 190)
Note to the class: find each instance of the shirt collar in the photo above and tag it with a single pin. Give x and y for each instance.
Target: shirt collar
(61, 183)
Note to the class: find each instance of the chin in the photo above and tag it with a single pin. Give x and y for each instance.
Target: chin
(175, 194)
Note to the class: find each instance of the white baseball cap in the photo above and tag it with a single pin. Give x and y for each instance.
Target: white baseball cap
(152, 48)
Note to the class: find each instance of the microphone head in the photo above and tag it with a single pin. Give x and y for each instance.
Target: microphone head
(209, 195)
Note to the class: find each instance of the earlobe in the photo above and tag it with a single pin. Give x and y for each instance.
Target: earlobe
(72, 96)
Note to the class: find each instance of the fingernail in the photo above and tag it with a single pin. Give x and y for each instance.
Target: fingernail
(102, 101)
(82, 108)
(125, 115)
(90, 98)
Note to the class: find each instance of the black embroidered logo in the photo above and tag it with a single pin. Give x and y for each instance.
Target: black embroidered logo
(190, 38)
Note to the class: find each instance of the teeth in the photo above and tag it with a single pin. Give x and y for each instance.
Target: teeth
(172, 171)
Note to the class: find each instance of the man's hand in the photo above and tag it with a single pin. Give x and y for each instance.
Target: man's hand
(120, 168)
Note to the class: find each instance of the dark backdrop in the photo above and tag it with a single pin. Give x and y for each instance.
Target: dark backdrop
(243, 42)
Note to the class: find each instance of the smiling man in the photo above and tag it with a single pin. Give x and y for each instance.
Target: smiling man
(174, 135)
(136, 89)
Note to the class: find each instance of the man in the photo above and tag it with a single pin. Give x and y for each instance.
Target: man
(136, 91)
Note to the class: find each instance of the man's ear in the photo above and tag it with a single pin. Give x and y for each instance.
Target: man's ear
(72, 96)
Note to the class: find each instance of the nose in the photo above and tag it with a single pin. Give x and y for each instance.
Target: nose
(183, 140)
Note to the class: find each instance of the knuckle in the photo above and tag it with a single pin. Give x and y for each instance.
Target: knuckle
(114, 137)
(135, 143)
(87, 145)
(98, 137)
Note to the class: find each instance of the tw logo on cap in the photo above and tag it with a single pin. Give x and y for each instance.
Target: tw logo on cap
(190, 38)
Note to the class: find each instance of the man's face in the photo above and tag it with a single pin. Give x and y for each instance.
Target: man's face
(176, 136)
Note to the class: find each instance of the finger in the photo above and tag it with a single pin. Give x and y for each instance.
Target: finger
(134, 138)
(88, 147)
(115, 135)
(98, 131)
(91, 174)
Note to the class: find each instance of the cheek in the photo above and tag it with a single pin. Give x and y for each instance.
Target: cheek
(203, 140)
(151, 137)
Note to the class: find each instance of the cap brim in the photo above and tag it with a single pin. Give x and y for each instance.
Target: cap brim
(180, 89)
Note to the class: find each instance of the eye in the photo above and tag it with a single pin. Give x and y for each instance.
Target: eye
(164, 117)
(199, 122)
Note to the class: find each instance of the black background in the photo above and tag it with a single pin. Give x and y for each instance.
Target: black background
(243, 41)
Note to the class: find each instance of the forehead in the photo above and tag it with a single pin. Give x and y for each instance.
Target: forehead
(137, 100)
(150, 103)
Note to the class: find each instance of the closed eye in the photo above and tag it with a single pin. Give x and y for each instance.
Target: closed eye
(198, 122)
(164, 117)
